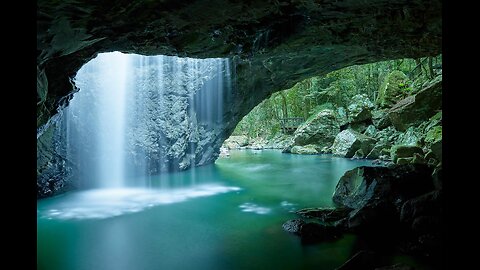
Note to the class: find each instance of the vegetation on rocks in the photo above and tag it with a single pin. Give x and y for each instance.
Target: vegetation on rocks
(389, 111)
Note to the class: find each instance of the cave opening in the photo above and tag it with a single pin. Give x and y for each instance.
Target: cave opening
(148, 179)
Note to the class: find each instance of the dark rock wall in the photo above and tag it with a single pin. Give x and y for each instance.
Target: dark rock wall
(280, 43)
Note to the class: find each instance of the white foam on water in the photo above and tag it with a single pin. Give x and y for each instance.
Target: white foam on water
(106, 203)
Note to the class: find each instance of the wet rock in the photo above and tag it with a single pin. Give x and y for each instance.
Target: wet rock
(324, 214)
(404, 151)
(415, 109)
(293, 225)
(349, 141)
(364, 185)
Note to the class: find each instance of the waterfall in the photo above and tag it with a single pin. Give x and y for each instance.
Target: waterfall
(135, 116)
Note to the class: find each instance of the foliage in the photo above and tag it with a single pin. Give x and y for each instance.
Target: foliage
(334, 89)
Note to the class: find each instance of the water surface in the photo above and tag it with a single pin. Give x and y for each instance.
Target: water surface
(227, 215)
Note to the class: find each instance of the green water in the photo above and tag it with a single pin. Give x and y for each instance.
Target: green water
(227, 215)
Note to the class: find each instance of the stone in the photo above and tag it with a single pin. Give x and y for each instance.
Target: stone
(380, 119)
(370, 131)
(359, 109)
(349, 141)
(428, 204)
(235, 142)
(437, 178)
(309, 149)
(404, 151)
(359, 127)
(224, 152)
(433, 135)
(358, 154)
(437, 150)
(415, 109)
(410, 137)
(368, 185)
(392, 89)
(293, 225)
(405, 160)
(324, 214)
(380, 149)
(320, 129)
(418, 159)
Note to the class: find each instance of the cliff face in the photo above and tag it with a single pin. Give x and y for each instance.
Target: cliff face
(272, 44)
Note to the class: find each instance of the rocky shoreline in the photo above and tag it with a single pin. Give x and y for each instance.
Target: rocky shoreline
(406, 131)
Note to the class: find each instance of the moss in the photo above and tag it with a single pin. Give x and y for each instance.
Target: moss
(434, 135)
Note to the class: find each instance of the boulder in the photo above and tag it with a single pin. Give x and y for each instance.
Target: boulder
(376, 151)
(380, 119)
(429, 204)
(415, 109)
(320, 129)
(359, 154)
(293, 225)
(406, 160)
(437, 150)
(410, 137)
(235, 142)
(359, 109)
(368, 185)
(392, 89)
(433, 135)
(309, 149)
(349, 141)
(370, 131)
(404, 151)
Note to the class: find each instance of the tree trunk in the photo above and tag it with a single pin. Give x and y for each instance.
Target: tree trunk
(284, 105)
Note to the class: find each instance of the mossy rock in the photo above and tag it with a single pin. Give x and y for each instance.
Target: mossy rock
(404, 151)
(309, 149)
(433, 135)
(393, 88)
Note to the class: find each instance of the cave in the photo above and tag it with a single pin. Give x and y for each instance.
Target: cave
(243, 53)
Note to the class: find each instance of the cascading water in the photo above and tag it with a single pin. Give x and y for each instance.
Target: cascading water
(136, 116)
